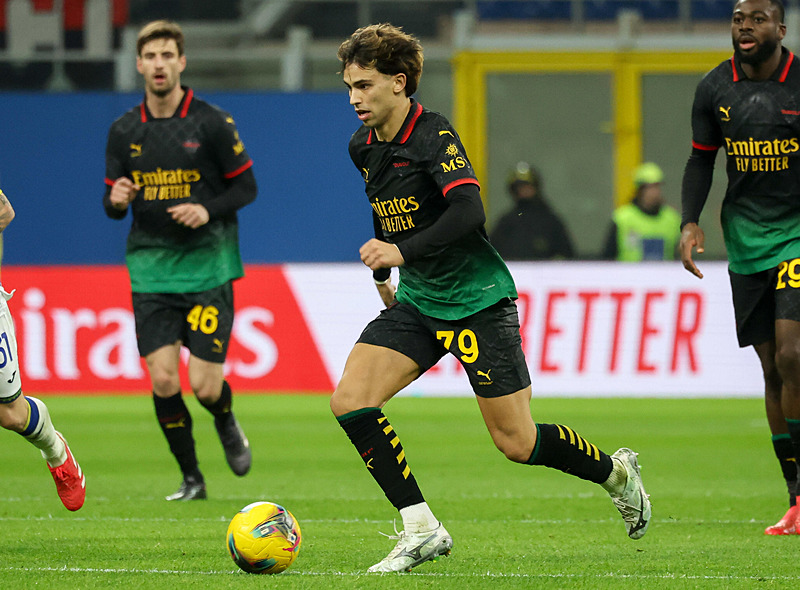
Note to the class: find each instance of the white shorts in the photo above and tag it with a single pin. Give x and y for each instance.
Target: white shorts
(10, 380)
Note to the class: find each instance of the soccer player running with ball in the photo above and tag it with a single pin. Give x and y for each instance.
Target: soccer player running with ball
(750, 104)
(177, 162)
(29, 416)
(454, 295)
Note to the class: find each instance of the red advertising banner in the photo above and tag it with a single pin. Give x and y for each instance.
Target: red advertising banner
(588, 329)
(76, 333)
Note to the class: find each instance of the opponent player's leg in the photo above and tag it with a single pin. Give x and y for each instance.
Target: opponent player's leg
(781, 441)
(214, 393)
(175, 420)
(29, 417)
(373, 375)
(207, 333)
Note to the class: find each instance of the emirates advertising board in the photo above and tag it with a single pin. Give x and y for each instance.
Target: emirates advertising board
(590, 329)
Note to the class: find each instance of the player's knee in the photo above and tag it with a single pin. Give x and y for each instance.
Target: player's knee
(165, 382)
(344, 401)
(515, 450)
(206, 386)
(165, 387)
(337, 404)
(206, 380)
(207, 393)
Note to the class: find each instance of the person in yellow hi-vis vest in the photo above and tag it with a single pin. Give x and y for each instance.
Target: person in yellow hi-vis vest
(646, 228)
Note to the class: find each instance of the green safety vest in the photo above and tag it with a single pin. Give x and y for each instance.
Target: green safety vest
(646, 237)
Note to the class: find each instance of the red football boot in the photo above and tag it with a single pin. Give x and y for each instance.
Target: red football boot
(786, 525)
(70, 481)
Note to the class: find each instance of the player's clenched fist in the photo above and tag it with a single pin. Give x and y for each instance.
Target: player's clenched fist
(123, 192)
(377, 254)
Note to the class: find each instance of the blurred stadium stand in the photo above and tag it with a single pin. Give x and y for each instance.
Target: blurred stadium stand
(604, 10)
(279, 44)
(618, 74)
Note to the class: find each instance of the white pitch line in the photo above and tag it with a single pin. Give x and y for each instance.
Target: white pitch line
(535, 521)
(488, 575)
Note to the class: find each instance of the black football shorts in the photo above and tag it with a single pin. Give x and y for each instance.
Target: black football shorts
(201, 321)
(763, 297)
(487, 344)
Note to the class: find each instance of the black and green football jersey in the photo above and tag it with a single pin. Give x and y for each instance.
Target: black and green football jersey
(184, 158)
(758, 124)
(407, 181)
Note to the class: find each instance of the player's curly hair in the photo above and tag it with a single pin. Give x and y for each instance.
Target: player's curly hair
(386, 48)
(160, 29)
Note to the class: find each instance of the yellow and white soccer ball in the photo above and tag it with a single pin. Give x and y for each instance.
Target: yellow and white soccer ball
(263, 538)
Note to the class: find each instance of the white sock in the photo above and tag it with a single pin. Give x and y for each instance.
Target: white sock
(42, 435)
(615, 483)
(418, 518)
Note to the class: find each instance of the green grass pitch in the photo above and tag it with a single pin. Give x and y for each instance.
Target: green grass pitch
(708, 465)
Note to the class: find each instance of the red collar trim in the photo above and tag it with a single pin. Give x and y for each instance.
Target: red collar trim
(183, 108)
(784, 71)
(408, 124)
(412, 122)
(187, 100)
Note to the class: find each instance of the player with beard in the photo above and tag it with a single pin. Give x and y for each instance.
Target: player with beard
(177, 162)
(750, 105)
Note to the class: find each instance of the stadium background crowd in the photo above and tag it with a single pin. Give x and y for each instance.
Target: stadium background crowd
(585, 90)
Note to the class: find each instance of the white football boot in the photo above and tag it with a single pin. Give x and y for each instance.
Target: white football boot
(633, 502)
(413, 549)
